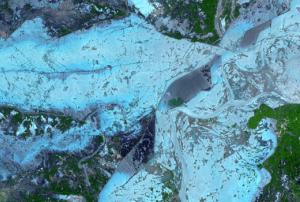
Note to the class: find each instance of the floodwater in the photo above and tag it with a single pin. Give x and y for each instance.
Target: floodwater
(250, 37)
(189, 85)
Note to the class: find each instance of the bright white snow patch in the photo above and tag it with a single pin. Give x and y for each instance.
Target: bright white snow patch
(116, 64)
(144, 6)
(207, 141)
(117, 180)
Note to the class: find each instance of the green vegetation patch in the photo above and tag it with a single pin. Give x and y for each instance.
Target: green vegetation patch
(236, 12)
(176, 102)
(103, 9)
(4, 7)
(34, 123)
(39, 198)
(65, 176)
(65, 122)
(191, 10)
(201, 16)
(284, 164)
(170, 192)
(61, 173)
(230, 11)
(87, 19)
(64, 31)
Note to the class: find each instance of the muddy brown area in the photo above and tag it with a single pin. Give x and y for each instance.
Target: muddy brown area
(251, 35)
(186, 87)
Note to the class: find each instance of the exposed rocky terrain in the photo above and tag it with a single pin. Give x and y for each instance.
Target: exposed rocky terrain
(60, 16)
